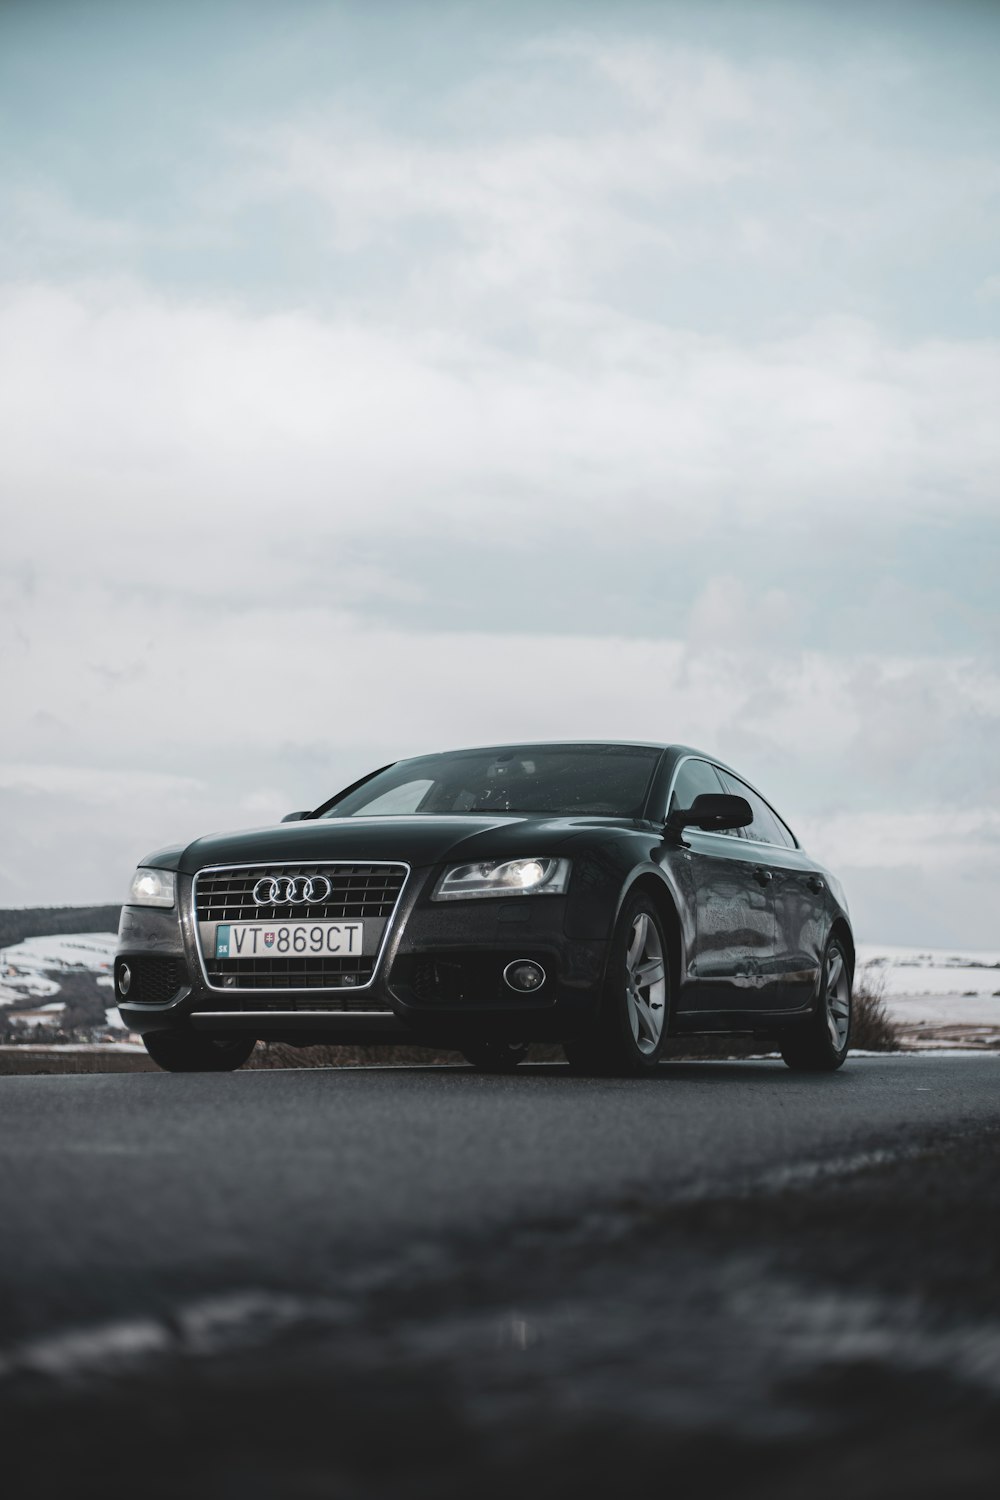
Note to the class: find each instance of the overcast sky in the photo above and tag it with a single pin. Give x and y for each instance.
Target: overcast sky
(380, 378)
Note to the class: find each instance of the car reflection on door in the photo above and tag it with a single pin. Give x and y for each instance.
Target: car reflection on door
(733, 965)
(801, 923)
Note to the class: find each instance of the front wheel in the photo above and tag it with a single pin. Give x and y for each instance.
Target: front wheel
(187, 1052)
(495, 1057)
(822, 1045)
(631, 1029)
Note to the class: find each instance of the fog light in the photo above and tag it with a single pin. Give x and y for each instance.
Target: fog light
(124, 979)
(524, 975)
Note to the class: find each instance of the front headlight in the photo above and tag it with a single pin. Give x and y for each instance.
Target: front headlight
(503, 877)
(152, 888)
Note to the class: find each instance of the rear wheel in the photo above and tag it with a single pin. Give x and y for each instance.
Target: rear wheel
(822, 1045)
(631, 1029)
(187, 1052)
(495, 1057)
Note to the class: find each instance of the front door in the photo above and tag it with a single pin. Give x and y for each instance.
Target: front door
(735, 924)
(799, 903)
(734, 911)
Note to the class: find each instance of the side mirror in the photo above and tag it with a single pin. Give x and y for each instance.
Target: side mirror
(295, 817)
(713, 812)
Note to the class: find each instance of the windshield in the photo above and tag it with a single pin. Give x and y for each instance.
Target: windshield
(537, 779)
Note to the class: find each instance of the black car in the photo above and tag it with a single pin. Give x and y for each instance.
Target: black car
(605, 896)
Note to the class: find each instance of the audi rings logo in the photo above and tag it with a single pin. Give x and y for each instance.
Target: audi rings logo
(292, 890)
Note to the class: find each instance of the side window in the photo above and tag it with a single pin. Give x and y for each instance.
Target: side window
(787, 836)
(693, 778)
(766, 827)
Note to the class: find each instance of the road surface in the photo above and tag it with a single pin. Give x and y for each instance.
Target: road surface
(410, 1281)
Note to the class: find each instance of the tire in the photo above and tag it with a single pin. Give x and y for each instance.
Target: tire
(822, 1045)
(187, 1052)
(630, 1032)
(495, 1057)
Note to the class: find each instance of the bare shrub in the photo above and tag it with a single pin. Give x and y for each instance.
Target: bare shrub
(872, 1027)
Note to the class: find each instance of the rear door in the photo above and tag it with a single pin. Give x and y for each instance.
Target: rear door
(734, 917)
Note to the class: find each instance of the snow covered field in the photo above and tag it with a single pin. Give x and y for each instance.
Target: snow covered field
(938, 995)
(72, 950)
(933, 971)
(31, 974)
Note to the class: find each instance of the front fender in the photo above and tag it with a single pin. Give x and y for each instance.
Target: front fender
(605, 875)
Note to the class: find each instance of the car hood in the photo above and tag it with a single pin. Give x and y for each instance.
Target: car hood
(414, 840)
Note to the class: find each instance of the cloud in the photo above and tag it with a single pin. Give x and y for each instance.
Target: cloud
(730, 609)
(43, 217)
(530, 190)
(625, 171)
(91, 785)
(205, 444)
(932, 872)
(945, 841)
(264, 706)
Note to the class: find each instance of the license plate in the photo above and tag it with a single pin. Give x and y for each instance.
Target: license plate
(281, 939)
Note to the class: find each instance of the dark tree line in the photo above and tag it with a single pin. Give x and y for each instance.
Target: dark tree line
(49, 921)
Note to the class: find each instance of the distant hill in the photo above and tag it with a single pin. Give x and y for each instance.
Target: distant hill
(45, 921)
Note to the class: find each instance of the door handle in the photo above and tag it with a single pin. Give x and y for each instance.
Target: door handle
(762, 876)
(815, 884)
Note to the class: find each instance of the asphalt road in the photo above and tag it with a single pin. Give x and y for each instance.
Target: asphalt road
(121, 1193)
(410, 1281)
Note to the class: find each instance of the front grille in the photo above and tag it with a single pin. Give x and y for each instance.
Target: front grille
(154, 980)
(360, 892)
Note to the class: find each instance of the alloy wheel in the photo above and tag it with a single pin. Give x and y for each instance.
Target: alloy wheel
(645, 983)
(838, 998)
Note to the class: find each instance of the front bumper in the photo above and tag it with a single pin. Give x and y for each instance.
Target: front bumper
(439, 977)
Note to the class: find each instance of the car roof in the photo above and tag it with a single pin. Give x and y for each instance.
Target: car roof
(676, 752)
(552, 745)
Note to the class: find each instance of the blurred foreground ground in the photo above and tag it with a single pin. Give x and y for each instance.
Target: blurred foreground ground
(818, 1337)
